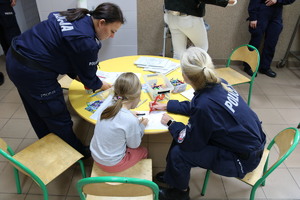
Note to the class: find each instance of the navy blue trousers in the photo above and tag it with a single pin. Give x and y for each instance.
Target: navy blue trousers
(220, 161)
(43, 100)
(269, 27)
(8, 25)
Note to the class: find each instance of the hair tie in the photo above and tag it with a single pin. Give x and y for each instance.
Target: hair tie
(91, 12)
(116, 98)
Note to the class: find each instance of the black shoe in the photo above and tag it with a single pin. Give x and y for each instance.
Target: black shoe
(173, 194)
(268, 72)
(1, 78)
(160, 177)
(248, 71)
(86, 152)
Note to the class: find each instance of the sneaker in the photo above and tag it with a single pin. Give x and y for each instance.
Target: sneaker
(173, 194)
(160, 177)
(269, 73)
(1, 78)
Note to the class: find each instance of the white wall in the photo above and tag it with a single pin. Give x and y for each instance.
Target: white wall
(125, 41)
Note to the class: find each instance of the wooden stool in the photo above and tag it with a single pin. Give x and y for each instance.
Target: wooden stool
(65, 82)
(142, 170)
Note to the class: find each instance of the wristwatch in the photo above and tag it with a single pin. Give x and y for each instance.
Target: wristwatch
(170, 122)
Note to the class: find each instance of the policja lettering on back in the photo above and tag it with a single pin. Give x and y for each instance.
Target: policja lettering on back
(232, 99)
(65, 26)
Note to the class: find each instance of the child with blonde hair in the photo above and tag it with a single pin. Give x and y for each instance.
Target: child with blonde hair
(115, 145)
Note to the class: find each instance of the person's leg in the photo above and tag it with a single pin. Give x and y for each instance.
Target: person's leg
(38, 125)
(257, 35)
(132, 156)
(44, 102)
(179, 39)
(10, 26)
(197, 33)
(3, 41)
(1, 78)
(271, 38)
(179, 164)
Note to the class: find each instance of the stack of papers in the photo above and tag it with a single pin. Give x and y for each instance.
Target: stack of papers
(157, 65)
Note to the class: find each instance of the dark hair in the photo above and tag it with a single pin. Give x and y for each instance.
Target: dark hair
(108, 11)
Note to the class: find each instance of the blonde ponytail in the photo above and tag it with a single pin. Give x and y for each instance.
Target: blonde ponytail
(198, 67)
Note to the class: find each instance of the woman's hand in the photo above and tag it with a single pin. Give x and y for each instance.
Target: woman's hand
(158, 106)
(232, 2)
(105, 85)
(165, 118)
(270, 2)
(253, 24)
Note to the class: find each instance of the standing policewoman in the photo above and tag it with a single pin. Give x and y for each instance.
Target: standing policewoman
(66, 43)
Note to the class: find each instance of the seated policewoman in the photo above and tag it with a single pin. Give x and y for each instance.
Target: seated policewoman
(223, 134)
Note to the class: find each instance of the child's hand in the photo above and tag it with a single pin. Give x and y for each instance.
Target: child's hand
(144, 121)
(158, 106)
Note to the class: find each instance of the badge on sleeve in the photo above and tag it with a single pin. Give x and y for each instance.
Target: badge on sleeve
(181, 136)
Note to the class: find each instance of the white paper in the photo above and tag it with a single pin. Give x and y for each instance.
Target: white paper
(151, 61)
(157, 65)
(189, 94)
(111, 77)
(154, 120)
(154, 117)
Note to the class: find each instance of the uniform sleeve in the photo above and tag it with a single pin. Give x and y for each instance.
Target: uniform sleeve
(222, 3)
(285, 2)
(136, 132)
(83, 58)
(177, 107)
(187, 134)
(253, 9)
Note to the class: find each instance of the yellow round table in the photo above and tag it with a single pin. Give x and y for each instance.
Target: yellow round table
(79, 98)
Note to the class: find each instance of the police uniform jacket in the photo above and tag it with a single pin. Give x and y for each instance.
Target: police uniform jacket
(256, 6)
(219, 118)
(192, 7)
(63, 47)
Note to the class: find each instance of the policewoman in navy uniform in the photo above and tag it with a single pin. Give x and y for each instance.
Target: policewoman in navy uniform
(223, 134)
(265, 23)
(9, 27)
(66, 43)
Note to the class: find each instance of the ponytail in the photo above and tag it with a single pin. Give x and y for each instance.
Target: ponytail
(112, 111)
(197, 65)
(74, 14)
(108, 11)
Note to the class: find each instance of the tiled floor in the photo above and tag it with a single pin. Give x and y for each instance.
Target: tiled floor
(276, 101)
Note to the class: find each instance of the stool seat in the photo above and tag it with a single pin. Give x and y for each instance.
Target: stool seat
(141, 170)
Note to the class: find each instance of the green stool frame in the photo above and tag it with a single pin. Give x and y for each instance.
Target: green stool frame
(286, 141)
(92, 186)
